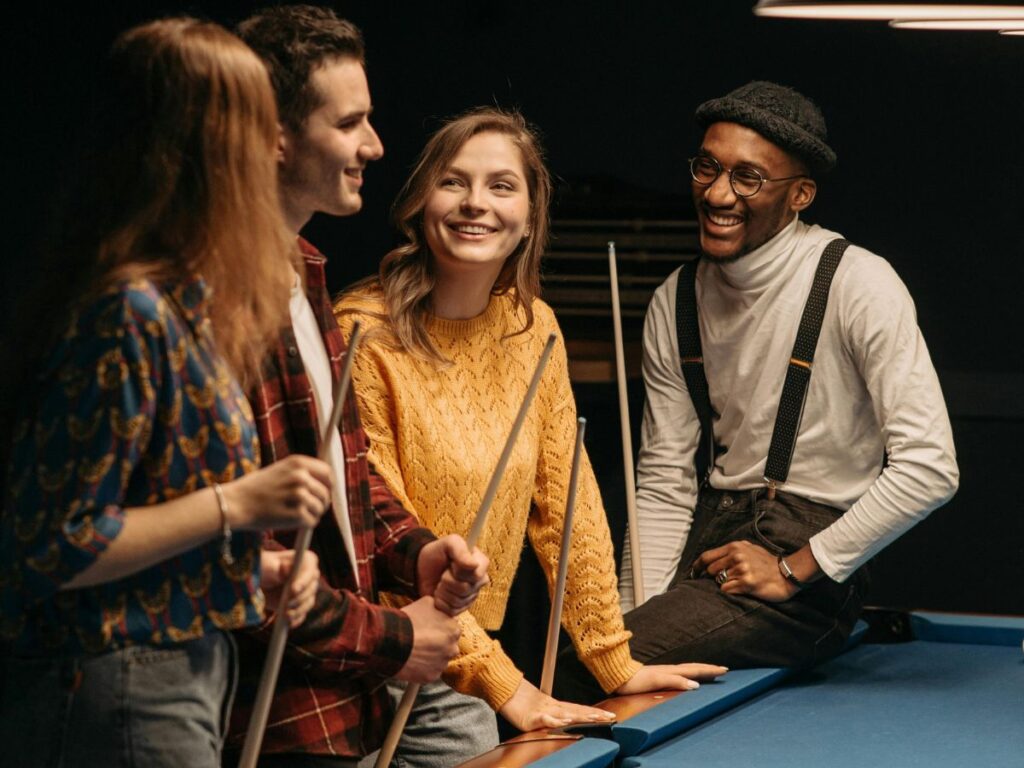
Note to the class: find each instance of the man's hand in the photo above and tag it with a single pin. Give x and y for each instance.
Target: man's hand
(529, 709)
(435, 642)
(275, 565)
(451, 574)
(670, 677)
(753, 570)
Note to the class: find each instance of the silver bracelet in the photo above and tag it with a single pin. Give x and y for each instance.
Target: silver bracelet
(788, 574)
(225, 527)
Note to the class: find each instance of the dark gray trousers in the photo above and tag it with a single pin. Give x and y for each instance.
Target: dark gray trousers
(694, 621)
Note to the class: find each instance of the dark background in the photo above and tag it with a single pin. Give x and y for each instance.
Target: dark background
(927, 126)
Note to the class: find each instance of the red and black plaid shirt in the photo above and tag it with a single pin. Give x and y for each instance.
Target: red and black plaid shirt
(330, 696)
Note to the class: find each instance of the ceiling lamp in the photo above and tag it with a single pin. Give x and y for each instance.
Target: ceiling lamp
(958, 24)
(802, 9)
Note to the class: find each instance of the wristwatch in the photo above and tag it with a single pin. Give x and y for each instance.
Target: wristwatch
(787, 572)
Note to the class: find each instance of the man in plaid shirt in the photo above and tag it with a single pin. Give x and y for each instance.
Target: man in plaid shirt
(331, 704)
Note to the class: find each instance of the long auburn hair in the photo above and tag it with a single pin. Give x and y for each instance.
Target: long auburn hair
(406, 276)
(178, 178)
(181, 179)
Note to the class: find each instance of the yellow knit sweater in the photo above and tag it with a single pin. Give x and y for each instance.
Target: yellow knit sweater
(436, 434)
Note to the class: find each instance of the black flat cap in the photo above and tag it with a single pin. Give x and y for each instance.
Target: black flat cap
(782, 115)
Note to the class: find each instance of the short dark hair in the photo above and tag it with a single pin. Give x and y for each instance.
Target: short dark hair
(293, 41)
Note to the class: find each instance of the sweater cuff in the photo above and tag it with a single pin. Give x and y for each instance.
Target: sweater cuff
(613, 667)
(495, 683)
(500, 681)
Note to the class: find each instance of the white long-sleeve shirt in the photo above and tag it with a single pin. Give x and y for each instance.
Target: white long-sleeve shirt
(318, 368)
(873, 389)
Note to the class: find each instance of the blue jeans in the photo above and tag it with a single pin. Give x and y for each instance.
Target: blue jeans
(445, 728)
(695, 621)
(139, 707)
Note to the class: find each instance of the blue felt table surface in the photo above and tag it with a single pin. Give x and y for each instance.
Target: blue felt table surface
(692, 708)
(682, 713)
(906, 704)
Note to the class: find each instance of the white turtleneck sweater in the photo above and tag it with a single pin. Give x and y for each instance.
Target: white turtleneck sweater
(873, 389)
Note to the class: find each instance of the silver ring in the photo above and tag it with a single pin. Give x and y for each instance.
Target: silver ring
(723, 576)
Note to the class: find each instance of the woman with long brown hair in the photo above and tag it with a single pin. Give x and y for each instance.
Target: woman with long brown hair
(132, 504)
(456, 330)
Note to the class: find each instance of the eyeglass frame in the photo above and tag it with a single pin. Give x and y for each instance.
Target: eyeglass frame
(730, 171)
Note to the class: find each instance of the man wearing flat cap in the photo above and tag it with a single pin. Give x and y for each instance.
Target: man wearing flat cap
(790, 364)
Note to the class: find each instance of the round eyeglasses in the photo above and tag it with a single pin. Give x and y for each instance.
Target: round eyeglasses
(745, 182)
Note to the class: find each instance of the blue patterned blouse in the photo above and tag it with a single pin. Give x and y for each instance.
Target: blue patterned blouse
(135, 408)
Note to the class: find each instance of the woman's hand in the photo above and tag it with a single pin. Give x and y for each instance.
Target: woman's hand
(530, 709)
(670, 677)
(452, 574)
(290, 493)
(275, 566)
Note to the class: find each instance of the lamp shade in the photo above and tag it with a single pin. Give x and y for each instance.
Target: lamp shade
(823, 9)
(979, 25)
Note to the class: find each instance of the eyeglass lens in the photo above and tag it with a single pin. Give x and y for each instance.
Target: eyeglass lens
(745, 181)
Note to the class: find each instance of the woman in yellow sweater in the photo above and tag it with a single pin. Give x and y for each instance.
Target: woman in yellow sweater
(456, 330)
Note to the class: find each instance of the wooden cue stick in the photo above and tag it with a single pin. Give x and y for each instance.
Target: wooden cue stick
(627, 437)
(387, 750)
(275, 650)
(341, 512)
(547, 676)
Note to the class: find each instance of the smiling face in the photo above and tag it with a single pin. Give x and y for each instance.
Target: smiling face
(733, 226)
(478, 211)
(321, 165)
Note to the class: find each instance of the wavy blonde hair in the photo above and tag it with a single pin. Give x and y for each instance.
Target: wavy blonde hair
(180, 179)
(406, 276)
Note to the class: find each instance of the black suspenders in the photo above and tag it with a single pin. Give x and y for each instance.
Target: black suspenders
(692, 360)
(798, 374)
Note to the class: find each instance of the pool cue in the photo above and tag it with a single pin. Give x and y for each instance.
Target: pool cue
(279, 636)
(627, 436)
(387, 750)
(547, 676)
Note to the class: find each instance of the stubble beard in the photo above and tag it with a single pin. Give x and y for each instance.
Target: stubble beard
(747, 248)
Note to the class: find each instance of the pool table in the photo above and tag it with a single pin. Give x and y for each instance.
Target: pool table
(941, 690)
